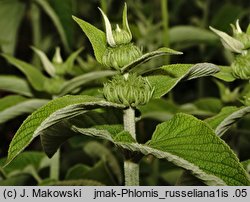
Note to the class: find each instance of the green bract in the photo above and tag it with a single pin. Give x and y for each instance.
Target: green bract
(129, 90)
(237, 44)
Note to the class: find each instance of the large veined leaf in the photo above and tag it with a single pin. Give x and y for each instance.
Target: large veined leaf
(17, 105)
(15, 85)
(148, 56)
(165, 78)
(50, 114)
(192, 145)
(34, 76)
(79, 81)
(96, 37)
(226, 118)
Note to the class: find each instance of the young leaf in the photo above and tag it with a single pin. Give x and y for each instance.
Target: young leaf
(225, 74)
(165, 78)
(148, 56)
(226, 118)
(50, 114)
(34, 76)
(96, 37)
(15, 85)
(48, 66)
(17, 106)
(79, 81)
(68, 64)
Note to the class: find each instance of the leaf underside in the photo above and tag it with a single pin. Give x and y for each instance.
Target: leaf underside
(226, 118)
(165, 78)
(51, 114)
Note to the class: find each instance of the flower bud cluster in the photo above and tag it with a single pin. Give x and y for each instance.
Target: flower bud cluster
(241, 66)
(130, 90)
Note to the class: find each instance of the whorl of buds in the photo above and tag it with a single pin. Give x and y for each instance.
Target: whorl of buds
(243, 37)
(241, 66)
(130, 90)
(119, 56)
(120, 50)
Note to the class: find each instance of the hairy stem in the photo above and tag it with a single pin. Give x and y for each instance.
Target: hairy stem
(54, 166)
(131, 169)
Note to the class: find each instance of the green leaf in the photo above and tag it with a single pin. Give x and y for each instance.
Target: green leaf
(165, 78)
(100, 172)
(63, 9)
(226, 118)
(10, 100)
(69, 63)
(79, 81)
(225, 74)
(209, 104)
(15, 85)
(50, 114)
(95, 149)
(77, 171)
(48, 66)
(55, 19)
(18, 180)
(17, 105)
(96, 37)
(159, 109)
(78, 183)
(246, 165)
(192, 145)
(11, 15)
(26, 160)
(34, 76)
(92, 123)
(148, 56)
(229, 42)
(190, 34)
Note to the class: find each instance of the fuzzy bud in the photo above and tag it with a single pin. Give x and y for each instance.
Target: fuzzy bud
(130, 90)
(241, 66)
(121, 36)
(119, 56)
